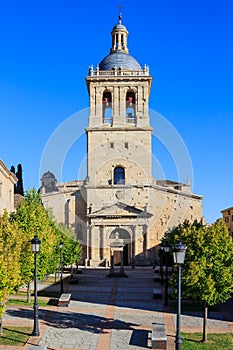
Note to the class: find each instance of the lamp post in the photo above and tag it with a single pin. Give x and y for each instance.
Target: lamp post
(61, 245)
(178, 256)
(161, 265)
(35, 242)
(166, 249)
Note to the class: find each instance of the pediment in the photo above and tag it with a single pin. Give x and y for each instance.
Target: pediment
(119, 210)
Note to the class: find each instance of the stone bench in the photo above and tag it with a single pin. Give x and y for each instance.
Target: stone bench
(157, 293)
(158, 337)
(64, 299)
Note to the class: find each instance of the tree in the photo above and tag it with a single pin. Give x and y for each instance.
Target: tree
(12, 170)
(33, 219)
(19, 185)
(72, 250)
(10, 249)
(207, 274)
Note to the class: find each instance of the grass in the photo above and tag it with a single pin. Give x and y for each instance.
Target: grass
(20, 301)
(220, 341)
(16, 336)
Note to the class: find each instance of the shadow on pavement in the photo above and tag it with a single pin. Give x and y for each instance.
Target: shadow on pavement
(87, 322)
(139, 337)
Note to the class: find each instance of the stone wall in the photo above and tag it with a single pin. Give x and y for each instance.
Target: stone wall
(7, 181)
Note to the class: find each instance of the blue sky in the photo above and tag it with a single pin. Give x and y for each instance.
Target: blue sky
(47, 46)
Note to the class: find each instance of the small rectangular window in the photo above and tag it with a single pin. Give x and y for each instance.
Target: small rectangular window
(126, 145)
(111, 145)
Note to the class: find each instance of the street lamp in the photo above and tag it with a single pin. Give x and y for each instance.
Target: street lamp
(178, 256)
(61, 245)
(35, 242)
(161, 264)
(166, 248)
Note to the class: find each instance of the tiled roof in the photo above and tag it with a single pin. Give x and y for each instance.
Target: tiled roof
(119, 59)
(17, 199)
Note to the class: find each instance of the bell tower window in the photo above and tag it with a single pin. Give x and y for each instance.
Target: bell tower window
(119, 176)
(117, 41)
(130, 107)
(107, 107)
(122, 42)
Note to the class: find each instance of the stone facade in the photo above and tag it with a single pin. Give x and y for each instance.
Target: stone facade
(120, 198)
(7, 182)
(228, 218)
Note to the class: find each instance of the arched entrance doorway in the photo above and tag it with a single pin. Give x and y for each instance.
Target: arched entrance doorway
(122, 234)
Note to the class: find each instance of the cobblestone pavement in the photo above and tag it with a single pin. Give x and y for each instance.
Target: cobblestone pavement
(107, 314)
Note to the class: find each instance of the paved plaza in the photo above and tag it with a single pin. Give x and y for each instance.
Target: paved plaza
(107, 313)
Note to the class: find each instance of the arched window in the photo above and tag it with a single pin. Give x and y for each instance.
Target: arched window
(130, 107)
(107, 107)
(119, 176)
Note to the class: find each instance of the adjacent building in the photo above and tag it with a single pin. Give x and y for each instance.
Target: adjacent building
(120, 199)
(7, 182)
(228, 218)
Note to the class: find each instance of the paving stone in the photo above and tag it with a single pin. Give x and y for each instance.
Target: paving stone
(117, 311)
(136, 318)
(75, 338)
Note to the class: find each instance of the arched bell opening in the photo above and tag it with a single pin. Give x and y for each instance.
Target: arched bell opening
(130, 108)
(107, 107)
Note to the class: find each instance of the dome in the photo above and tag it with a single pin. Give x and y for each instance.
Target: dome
(119, 59)
(119, 26)
(48, 174)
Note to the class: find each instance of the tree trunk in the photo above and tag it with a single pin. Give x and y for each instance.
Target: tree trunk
(205, 316)
(29, 292)
(0, 325)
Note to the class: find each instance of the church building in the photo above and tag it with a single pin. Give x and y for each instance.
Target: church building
(119, 199)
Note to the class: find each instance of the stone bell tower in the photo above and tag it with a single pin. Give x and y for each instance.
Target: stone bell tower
(119, 164)
(119, 92)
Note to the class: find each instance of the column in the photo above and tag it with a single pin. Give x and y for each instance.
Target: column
(88, 240)
(122, 116)
(145, 240)
(133, 247)
(115, 107)
(95, 243)
(98, 106)
(101, 229)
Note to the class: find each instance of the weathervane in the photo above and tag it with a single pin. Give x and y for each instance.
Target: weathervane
(120, 11)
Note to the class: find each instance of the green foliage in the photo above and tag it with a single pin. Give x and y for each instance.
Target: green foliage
(10, 248)
(24, 302)
(33, 219)
(207, 274)
(72, 250)
(192, 341)
(15, 336)
(19, 185)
